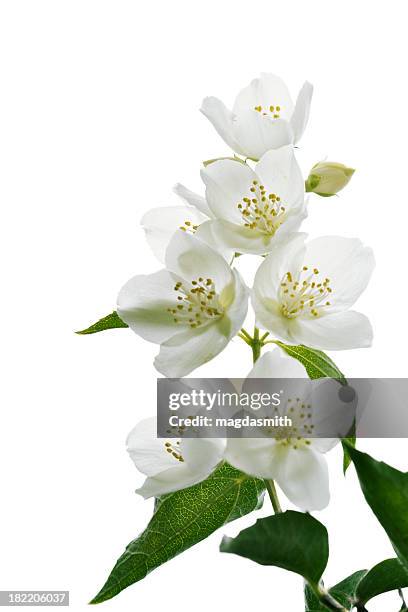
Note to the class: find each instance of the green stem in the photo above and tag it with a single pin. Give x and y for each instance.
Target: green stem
(273, 496)
(256, 345)
(326, 599)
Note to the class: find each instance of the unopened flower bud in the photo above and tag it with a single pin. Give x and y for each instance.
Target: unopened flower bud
(328, 178)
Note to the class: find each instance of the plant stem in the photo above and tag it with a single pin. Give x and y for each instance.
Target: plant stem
(256, 345)
(273, 496)
(326, 599)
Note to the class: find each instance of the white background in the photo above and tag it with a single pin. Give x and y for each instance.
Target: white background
(98, 119)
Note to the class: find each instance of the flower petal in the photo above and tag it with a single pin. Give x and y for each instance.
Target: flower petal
(257, 133)
(346, 262)
(190, 258)
(301, 113)
(275, 364)
(222, 119)
(334, 332)
(193, 199)
(161, 223)
(206, 233)
(241, 239)
(254, 456)
(202, 454)
(147, 451)
(303, 476)
(265, 91)
(227, 183)
(190, 350)
(143, 303)
(169, 481)
(279, 171)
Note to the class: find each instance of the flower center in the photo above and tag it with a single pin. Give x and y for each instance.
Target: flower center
(262, 211)
(304, 295)
(270, 111)
(294, 435)
(197, 304)
(174, 450)
(189, 227)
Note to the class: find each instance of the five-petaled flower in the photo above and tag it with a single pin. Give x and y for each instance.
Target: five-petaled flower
(263, 117)
(292, 455)
(252, 208)
(303, 292)
(193, 308)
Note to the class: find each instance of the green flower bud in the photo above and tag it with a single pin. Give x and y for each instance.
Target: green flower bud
(328, 178)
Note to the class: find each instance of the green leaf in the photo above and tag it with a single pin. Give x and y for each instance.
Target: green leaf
(181, 520)
(343, 592)
(386, 492)
(112, 321)
(316, 363)
(388, 575)
(360, 587)
(292, 540)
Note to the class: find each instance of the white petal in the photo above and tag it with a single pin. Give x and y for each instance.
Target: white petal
(202, 454)
(241, 239)
(236, 297)
(303, 476)
(254, 456)
(275, 364)
(222, 119)
(257, 134)
(193, 199)
(190, 258)
(147, 451)
(300, 115)
(191, 349)
(268, 90)
(206, 233)
(161, 223)
(143, 303)
(335, 332)
(346, 262)
(279, 171)
(227, 183)
(171, 480)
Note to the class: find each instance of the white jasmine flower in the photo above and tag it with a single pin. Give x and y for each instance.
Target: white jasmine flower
(295, 462)
(161, 223)
(303, 292)
(263, 117)
(171, 464)
(252, 207)
(192, 308)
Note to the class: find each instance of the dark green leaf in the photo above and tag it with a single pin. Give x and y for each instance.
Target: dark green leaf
(386, 492)
(316, 363)
(388, 575)
(112, 321)
(292, 540)
(181, 520)
(343, 592)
